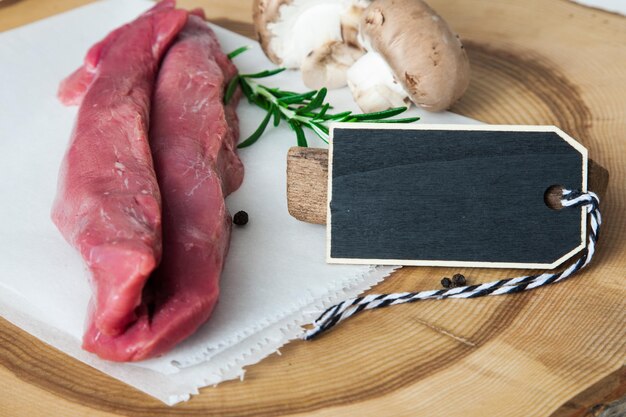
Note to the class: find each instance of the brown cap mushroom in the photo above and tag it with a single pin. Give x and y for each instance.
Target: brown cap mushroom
(426, 58)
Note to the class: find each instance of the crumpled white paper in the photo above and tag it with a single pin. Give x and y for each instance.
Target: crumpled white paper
(275, 278)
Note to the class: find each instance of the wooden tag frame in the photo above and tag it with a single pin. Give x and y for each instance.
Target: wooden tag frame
(451, 263)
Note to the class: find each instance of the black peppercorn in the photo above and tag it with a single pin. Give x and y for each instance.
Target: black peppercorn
(240, 218)
(446, 283)
(458, 280)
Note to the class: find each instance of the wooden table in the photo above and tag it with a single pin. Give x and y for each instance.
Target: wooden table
(558, 351)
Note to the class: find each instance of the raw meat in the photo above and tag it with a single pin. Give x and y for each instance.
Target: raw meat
(193, 139)
(108, 203)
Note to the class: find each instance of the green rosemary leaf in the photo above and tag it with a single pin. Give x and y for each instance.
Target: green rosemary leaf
(277, 115)
(298, 98)
(321, 127)
(263, 74)
(338, 116)
(316, 102)
(277, 92)
(231, 88)
(405, 120)
(308, 115)
(322, 112)
(254, 98)
(380, 114)
(319, 132)
(247, 90)
(257, 133)
(238, 51)
(301, 137)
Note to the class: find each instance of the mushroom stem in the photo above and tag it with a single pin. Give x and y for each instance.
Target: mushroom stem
(373, 85)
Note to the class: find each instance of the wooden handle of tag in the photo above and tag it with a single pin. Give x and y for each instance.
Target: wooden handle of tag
(307, 183)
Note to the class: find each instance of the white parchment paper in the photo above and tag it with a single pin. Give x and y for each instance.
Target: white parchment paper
(275, 277)
(615, 6)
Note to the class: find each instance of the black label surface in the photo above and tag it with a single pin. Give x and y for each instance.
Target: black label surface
(439, 196)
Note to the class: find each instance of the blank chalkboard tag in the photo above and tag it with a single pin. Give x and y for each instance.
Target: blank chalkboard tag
(453, 195)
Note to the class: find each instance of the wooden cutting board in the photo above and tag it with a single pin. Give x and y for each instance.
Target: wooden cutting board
(557, 351)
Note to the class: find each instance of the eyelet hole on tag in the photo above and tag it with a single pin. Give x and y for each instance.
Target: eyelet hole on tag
(552, 197)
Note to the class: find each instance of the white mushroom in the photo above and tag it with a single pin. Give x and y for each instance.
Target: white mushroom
(350, 20)
(411, 53)
(373, 85)
(327, 65)
(294, 31)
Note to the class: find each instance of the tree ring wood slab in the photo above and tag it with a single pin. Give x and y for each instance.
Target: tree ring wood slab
(557, 352)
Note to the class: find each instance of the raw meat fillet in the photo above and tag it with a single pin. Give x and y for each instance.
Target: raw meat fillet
(193, 139)
(73, 88)
(108, 201)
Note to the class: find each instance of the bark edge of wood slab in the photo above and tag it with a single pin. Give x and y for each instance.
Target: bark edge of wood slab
(307, 183)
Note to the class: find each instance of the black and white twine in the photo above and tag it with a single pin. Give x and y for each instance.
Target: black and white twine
(350, 307)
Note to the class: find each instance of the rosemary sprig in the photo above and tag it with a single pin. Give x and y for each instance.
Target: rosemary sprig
(301, 111)
(238, 51)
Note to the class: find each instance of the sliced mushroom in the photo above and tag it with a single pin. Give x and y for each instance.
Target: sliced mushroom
(423, 55)
(327, 65)
(288, 30)
(373, 85)
(265, 12)
(350, 20)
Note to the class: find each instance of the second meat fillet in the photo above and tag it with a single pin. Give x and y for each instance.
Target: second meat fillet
(193, 138)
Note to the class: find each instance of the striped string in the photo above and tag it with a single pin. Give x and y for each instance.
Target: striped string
(350, 307)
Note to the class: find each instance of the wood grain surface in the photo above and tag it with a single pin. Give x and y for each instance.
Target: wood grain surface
(307, 184)
(556, 351)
